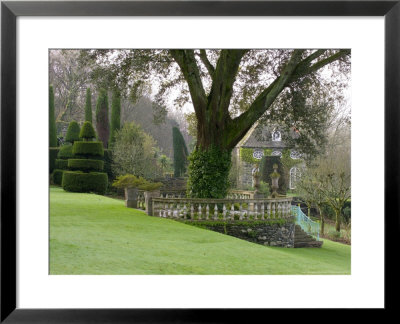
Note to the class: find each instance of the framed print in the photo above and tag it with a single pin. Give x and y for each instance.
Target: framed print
(36, 36)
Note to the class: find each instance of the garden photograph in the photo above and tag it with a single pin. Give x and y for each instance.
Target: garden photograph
(199, 161)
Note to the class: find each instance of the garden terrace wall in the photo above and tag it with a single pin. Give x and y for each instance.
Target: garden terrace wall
(278, 233)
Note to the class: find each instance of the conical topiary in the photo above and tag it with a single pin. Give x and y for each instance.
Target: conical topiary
(72, 132)
(87, 132)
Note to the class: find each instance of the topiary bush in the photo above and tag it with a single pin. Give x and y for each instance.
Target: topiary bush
(88, 149)
(77, 181)
(53, 152)
(85, 164)
(61, 164)
(65, 152)
(57, 176)
(87, 131)
(72, 132)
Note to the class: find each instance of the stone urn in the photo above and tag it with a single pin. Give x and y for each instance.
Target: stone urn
(275, 181)
(148, 199)
(131, 197)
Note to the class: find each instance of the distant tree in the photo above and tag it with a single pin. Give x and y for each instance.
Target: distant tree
(73, 132)
(52, 120)
(115, 115)
(87, 131)
(134, 153)
(102, 123)
(88, 105)
(180, 152)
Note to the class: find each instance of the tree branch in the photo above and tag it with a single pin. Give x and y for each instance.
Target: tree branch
(206, 62)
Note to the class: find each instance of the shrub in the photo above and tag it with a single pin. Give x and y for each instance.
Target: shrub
(102, 124)
(52, 120)
(72, 132)
(180, 152)
(57, 176)
(76, 181)
(115, 115)
(88, 106)
(87, 131)
(61, 164)
(85, 164)
(65, 152)
(208, 173)
(108, 163)
(53, 152)
(88, 149)
(131, 181)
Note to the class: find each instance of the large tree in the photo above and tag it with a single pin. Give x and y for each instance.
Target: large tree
(115, 115)
(230, 90)
(102, 122)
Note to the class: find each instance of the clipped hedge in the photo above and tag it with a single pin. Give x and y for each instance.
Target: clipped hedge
(57, 176)
(53, 152)
(108, 164)
(61, 164)
(85, 164)
(65, 152)
(76, 181)
(88, 149)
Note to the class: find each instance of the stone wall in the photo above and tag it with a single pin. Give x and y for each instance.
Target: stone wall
(265, 233)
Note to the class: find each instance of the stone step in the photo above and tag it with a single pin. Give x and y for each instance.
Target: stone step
(313, 244)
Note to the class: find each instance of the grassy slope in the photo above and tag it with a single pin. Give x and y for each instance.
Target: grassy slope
(91, 234)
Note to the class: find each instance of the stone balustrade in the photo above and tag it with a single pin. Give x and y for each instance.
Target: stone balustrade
(240, 194)
(222, 209)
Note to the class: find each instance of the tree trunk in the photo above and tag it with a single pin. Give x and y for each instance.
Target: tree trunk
(338, 220)
(322, 226)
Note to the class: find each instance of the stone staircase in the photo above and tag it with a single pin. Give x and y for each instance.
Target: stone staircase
(302, 239)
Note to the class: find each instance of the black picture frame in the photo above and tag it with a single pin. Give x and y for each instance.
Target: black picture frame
(11, 10)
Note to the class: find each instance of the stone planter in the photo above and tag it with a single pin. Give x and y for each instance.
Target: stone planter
(148, 199)
(131, 197)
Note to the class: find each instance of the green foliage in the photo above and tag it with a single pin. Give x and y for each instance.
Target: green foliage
(208, 173)
(87, 131)
(85, 164)
(53, 152)
(102, 123)
(52, 120)
(61, 164)
(246, 155)
(135, 152)
(77, 181)
(108, 164)
(180, 152)
(264, 188)
(88, 106)
(115, 115)
(72, 132)
(65, 152)
(57, 176)
(131, 181)
(88, 149)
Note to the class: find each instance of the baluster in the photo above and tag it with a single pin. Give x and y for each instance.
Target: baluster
(232, 214)
(207, 212)
(255, 210)
(273, 210)
(240, 211)
(215, 212)
(262, 210)
(165, 210)
(224, 212)
(248, 211)
(278, 207)
(268, 210)
(184, 210)
(199, 214)
(191, 211)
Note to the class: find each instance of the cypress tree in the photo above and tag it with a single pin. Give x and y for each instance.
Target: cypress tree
(115, 115)
(102, 123)
(72, 132)
(52, 120)
(180, 152)
(88, 105)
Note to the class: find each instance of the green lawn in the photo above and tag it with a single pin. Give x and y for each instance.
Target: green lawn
(92, 234)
